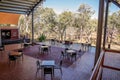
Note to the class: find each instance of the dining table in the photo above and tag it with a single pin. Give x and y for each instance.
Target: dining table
(16, 54)
(48, 64)
(71, 53)
(43, 48)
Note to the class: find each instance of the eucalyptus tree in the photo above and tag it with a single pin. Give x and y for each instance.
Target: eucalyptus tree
(64, 21)
(113, 26)
(44, 22)
(47, 21)
(90, 30)
(24, 24)
(118, 26)
(77, 24)
(82, 21)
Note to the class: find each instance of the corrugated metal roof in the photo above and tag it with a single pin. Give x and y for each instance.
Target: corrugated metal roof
(19, 6)
(27, 6)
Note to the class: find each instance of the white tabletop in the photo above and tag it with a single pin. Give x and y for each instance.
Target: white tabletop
(48, 63)
(44, 46)
(71, 51)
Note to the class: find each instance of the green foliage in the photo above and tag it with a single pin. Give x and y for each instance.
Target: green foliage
(42, 38)
(64, 20)
(113, 27)
(3, 25)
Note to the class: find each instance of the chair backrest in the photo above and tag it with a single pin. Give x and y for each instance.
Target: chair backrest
(63, 53)
(12, 58)
(38, 64)
(74, 54)
(61, 62)
(49, 47)
(66, 49)
(48, 70)
(45, 49)
(43, 45)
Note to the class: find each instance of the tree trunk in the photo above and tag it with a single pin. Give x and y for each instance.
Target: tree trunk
(110, 40)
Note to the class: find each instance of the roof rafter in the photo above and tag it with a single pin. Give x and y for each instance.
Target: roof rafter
(116, 2)
(40, 1)
(12, 6)
(19, 6)
(19, 1)
(1, 7)
(15, 12)
(16, 4)
(12, 11)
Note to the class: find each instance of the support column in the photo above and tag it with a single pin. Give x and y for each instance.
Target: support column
(99, 30)
(32, 26)
(105, 25)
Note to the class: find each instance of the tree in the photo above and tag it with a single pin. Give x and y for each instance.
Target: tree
(24, 24)
(113, 26)
(64, 21)
(82, 19)
(47, 21)
(91, 28)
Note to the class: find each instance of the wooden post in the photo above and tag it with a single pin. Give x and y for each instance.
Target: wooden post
(105, 25)
(32, 26)
(99, 30)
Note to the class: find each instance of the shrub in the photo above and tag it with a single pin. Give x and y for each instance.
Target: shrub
(42, 38)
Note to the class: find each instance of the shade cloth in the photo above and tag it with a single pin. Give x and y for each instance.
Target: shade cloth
(9, 18)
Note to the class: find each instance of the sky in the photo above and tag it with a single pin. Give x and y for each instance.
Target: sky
(72, 5)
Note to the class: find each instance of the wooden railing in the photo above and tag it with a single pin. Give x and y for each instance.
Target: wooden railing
(96, 74)
(98, 69)
(110, 50)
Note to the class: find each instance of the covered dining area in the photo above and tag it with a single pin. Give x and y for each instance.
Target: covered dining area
(22, 58)
(35, 65)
